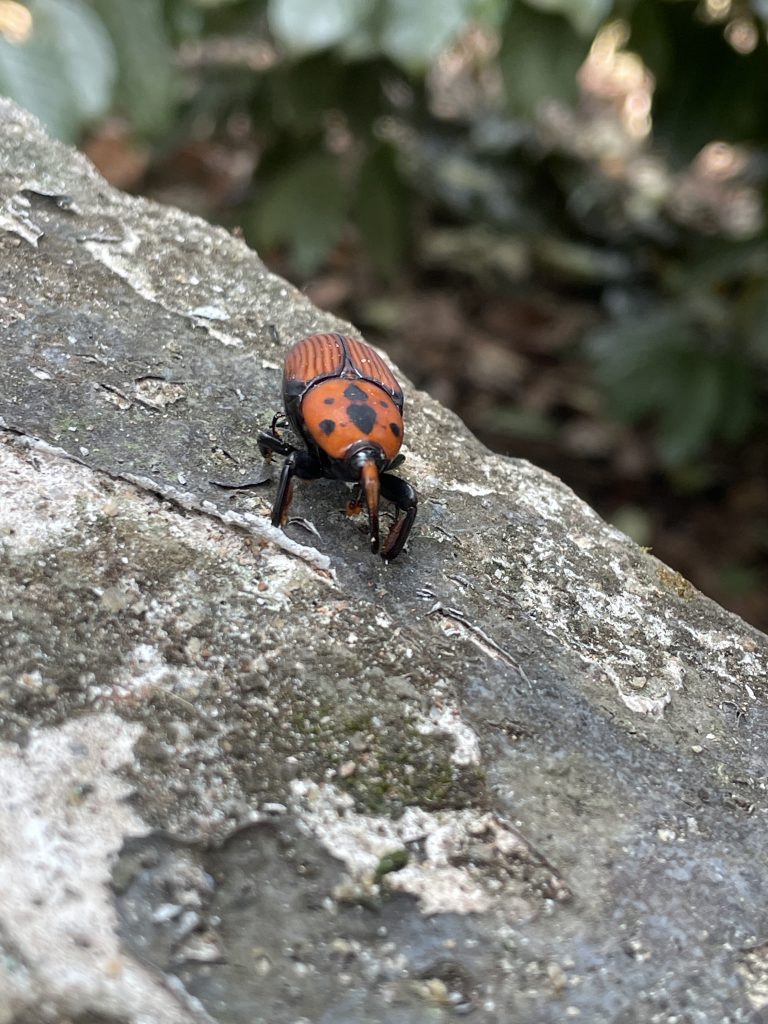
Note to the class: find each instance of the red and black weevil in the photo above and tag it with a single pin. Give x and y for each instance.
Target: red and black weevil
(343, 401)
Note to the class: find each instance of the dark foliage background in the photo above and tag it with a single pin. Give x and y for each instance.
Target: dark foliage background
(551, 213)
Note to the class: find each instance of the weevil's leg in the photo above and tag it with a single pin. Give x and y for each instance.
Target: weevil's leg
(356, 504)
(270, 443)
(302, 465)
(401, 494)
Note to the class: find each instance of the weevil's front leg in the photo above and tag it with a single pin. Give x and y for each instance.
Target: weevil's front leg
(356, 504)
(302, 465)
(401, 494)
(270, 443)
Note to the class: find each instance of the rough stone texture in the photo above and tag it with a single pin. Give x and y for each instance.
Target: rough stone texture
(520, 772)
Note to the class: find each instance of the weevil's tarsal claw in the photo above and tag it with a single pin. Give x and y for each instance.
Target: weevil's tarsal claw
(397, 536)
(400, 492)
(369, 481)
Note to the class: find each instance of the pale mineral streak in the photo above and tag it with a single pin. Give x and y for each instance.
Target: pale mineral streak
(63, 820)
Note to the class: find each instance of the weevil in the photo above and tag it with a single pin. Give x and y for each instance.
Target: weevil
(345, 404)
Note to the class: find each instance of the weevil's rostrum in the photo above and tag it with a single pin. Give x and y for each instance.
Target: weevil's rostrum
(344, 402)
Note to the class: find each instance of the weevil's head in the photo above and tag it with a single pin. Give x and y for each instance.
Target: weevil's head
(365, 464)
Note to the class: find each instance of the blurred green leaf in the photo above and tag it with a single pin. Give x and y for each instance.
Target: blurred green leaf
(689, 417)
(490, 12)
(632, 359)
(307, 25)
(146, 81)
(584, 15)
(635, 522)
(738, 399)
(302, 92)
(382, 210)
(740, 578)
(539, 57)
(660, 365)
(185, 21)
(714, 264)
(752, 316)
(363, 97)
(303, 207)
(413, 34)
(516, 422)
(213, 3)
(65, 72)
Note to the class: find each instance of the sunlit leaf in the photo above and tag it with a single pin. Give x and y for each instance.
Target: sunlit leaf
(65, 71)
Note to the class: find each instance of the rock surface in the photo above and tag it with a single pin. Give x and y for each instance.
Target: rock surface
(248, 775)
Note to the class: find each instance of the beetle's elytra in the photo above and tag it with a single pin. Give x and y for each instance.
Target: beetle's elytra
(344, 402)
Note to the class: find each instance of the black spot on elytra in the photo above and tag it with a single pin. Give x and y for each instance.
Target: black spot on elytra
(329, 401)
(327, 427)
(383, 404)
(363, 416)
(354, 393)
(395, 429)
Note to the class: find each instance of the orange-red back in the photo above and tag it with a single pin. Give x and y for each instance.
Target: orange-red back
(331, 355)
(320, 355)
(339, 412)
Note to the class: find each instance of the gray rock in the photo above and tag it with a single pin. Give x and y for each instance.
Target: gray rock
(518, 773)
